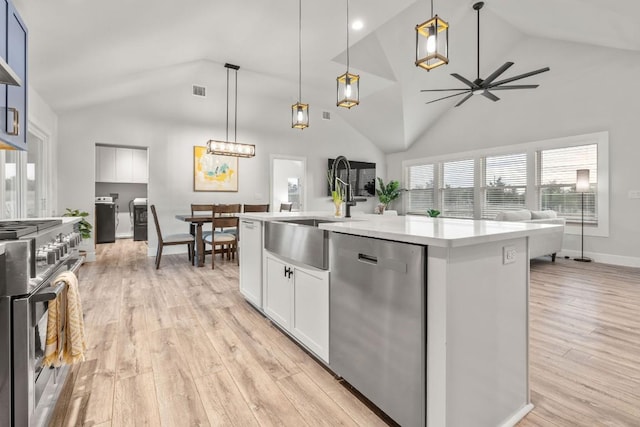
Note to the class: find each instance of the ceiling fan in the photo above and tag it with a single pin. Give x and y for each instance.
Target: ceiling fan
(486, 86)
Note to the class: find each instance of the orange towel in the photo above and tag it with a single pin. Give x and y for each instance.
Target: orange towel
(69, 348)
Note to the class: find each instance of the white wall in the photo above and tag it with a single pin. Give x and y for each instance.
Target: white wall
(171, 121)
(588, 89)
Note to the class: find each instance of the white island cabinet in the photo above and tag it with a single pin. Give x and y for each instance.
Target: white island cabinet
(251, 261)
(476, 309)
(297, 299)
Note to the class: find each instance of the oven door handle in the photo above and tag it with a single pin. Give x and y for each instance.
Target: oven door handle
(49, 293)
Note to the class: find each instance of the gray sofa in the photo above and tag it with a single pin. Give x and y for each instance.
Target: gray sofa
(547, 244)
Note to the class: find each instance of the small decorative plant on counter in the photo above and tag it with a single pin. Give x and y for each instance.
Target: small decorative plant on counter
(337, 193)
(84, 226)
(387, 193)
(433, 213)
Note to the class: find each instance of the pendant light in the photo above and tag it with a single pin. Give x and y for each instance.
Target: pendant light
(432, 43)
(348, 84)
(299, 111)
(226, 147)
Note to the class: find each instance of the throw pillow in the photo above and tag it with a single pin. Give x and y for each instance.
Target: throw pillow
(543, 214)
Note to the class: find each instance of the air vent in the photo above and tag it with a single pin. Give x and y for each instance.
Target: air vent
(326, 115)
(199, 91)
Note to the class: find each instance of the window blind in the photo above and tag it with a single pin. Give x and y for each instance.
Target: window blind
(458, 188)
(505, 183)
(557, 181)
(421, 188)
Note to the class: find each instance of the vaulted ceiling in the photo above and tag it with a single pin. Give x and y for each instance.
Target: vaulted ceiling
(84, 53)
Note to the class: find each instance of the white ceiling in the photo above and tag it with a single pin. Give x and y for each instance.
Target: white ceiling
(84, 52)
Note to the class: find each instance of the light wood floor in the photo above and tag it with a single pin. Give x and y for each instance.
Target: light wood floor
(180, 347)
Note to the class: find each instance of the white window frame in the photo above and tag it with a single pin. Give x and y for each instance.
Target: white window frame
(532, 192)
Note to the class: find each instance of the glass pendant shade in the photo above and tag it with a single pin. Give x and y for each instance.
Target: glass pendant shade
(432, 43)
(348, 90)
(227, 148)
(299, 116)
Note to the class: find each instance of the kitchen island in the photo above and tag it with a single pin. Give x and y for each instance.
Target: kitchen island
(475, 305)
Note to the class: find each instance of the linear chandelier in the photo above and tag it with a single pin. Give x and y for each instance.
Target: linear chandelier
(348, 84)
(226, 147)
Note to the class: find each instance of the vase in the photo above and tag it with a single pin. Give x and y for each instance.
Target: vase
(380, 208)
(338, 205)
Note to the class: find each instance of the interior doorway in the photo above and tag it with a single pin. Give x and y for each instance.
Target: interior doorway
(288, 182)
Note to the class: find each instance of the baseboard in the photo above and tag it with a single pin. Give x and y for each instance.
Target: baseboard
(518, 416)
(624, 261)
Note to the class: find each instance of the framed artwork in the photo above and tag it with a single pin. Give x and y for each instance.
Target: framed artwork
(212, 172)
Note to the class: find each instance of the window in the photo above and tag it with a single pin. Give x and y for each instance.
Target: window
(557, 181)
(421, 185)
(504, 183)
(458, 189)
(536, 175)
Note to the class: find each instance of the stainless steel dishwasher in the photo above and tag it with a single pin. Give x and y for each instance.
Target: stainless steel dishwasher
(377, 339)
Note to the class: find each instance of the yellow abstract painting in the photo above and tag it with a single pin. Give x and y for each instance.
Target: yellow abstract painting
(212, 172)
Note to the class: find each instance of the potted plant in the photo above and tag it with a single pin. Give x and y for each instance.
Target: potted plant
(433, 213)
(83, 226)
(387, 193)
(337, 193)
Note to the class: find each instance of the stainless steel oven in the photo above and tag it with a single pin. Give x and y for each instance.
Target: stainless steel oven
(30, 262)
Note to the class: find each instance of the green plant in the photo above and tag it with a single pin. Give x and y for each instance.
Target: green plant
(339, 192)
(389, 192)
(433, 213)
(84, 226)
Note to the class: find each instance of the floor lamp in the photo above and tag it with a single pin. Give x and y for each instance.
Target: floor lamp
(582, 186)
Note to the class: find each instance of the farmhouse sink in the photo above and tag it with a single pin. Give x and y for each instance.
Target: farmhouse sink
(299, 240)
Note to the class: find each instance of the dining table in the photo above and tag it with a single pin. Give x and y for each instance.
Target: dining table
(197, 221)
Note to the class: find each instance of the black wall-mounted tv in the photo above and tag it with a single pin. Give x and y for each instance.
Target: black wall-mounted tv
(363, 177)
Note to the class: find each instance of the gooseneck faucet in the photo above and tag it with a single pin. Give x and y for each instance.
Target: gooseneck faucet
(349, 194)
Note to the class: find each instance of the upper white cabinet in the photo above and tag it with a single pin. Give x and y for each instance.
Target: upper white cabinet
(13, 99)
(121, 164)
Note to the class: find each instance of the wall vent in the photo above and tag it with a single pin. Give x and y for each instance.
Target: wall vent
(326, 115)
(199, 91)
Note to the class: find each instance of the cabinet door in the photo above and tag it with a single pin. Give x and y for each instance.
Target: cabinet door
(105, 164)
(251, 261)
(139, 166)
(311, 310)
(278, 292)
(124, 165)
(15, 120)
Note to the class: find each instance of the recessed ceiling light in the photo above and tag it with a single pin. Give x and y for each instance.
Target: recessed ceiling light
(357, 25)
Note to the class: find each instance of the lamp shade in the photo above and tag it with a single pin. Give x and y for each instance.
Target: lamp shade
(300, 116)
(227, 148)
(582, 180)
(348, 90)
(432, 43)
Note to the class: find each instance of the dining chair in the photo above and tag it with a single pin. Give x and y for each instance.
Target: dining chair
(255, 208)
(224, 218)
(286, 207)
(196, 209)
(170, 240)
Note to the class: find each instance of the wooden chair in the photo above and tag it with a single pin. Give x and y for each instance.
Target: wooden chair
(286, 207)
(170, 240)
(255, 208)
(200, 209)
(224, 218)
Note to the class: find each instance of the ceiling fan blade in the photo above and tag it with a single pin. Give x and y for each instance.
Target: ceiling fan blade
(514, 87)
(489, 95)
(521, 76)
(464, 99)
(496, 73)
(465, 81)
(445, 97)
(440, 90)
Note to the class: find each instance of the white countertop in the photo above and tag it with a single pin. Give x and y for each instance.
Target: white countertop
(444, 232)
